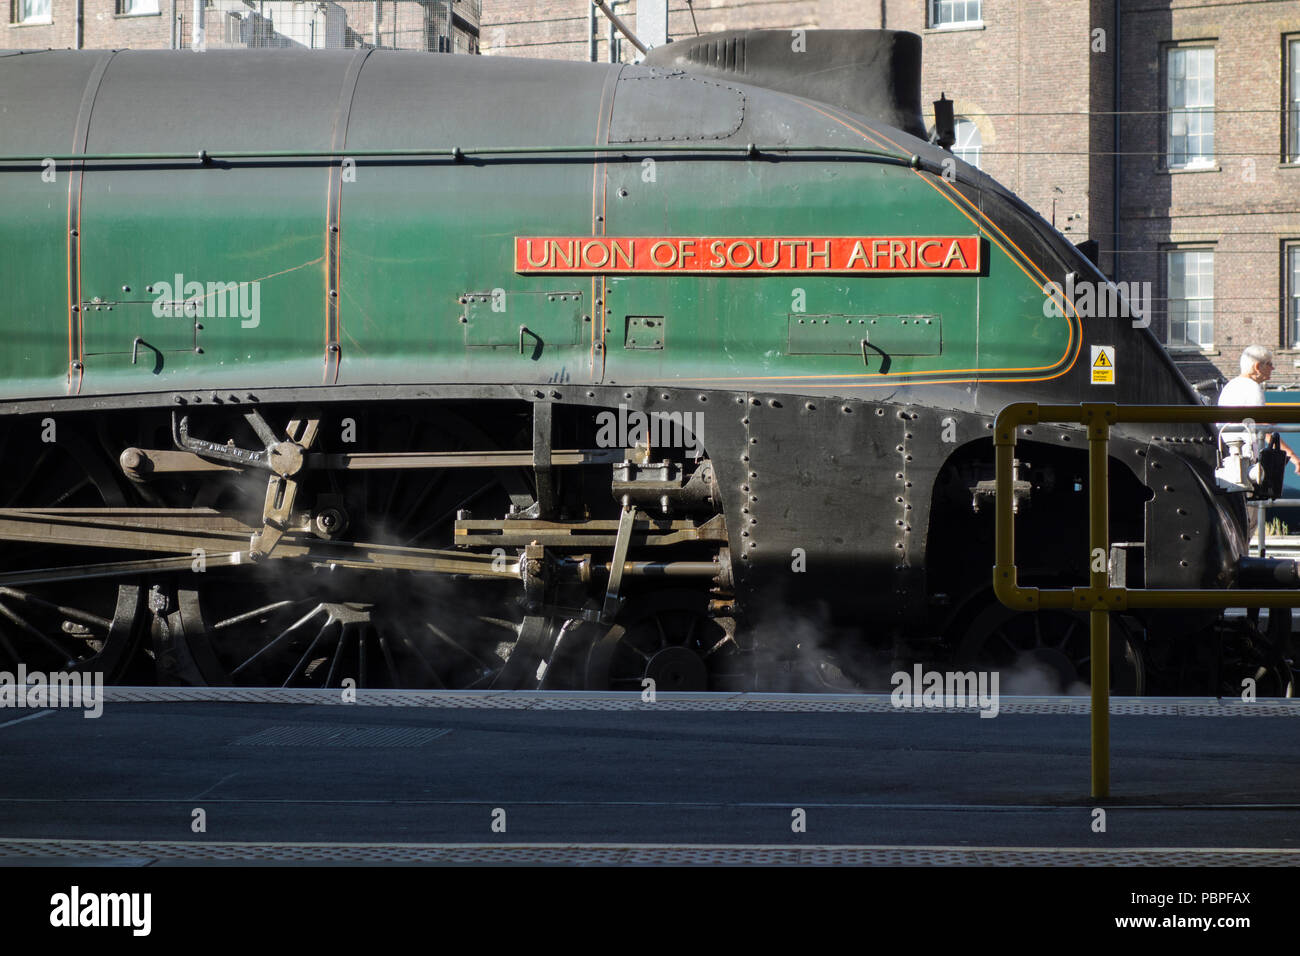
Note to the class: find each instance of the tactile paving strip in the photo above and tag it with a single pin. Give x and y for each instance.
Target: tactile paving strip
(311, 735)
(143, 853)
(740, 702)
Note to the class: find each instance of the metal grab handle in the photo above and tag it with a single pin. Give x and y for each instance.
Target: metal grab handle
(866, 344)
(525, 330)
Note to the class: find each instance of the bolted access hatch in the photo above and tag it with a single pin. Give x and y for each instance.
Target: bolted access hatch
(865, 335)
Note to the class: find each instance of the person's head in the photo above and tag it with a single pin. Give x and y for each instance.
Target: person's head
(1257, 363)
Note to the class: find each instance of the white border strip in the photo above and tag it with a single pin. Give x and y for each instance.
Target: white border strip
(741, 702)
(610, 854)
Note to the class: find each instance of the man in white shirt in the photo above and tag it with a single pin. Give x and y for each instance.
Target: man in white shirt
(1247, 389)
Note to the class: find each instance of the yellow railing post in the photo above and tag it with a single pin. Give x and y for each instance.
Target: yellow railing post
(1099, 565)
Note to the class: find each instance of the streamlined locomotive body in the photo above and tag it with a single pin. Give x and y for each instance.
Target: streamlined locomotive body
(451, 371)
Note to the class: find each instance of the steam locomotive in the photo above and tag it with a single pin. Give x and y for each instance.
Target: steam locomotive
(446, 371)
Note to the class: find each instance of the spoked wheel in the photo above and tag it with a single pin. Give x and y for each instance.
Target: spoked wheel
(668, 638)
(284, 623)
(299, 635)
(89, 625)
(1049, 652)
(70, 628)
(1246, 655)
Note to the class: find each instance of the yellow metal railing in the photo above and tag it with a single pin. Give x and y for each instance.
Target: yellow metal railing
(1099, 598)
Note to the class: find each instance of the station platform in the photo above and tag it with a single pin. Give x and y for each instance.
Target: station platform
(301, 777)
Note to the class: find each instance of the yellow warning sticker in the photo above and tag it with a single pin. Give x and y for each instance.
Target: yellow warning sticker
(1103, 365)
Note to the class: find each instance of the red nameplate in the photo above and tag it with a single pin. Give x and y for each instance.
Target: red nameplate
(735, 255)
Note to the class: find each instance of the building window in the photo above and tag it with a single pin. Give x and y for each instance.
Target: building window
(1190, 93)
(1292, 269)
(130, 8)
(1191, 298)
(954, 13)
(1293, 101)
(29, 11)
(969, 141)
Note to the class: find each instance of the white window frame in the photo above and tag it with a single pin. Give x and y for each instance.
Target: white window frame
(1291, 273)
(1181, 113)
(1291, 117)
(936, 8)
(28, 18)
(1181, 306)
(128, 8)
(967, 153)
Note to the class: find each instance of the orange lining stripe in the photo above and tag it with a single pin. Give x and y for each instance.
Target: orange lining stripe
(867, 134)
(329, 241)
(899, 381)
(77, 172)
(338, 274)
(905, 378)
(959, 195)
(68, 259)
(595, 178)
(77, 316)
(599, 176)
(1062, 304)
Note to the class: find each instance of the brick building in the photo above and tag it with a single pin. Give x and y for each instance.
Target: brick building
(1206, 125)
(433, 25)
(1210, 178)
